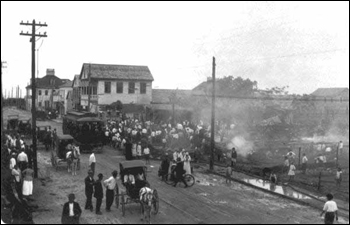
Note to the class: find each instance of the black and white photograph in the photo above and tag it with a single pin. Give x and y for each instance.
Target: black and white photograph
(174, 112)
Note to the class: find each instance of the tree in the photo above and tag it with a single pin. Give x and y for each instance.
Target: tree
(235, 86)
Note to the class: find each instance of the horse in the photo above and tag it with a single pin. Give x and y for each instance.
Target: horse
(75, 158)
(146, 199)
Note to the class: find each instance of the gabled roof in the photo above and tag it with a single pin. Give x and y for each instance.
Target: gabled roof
(331, 92)
(67, 83)
(121, 72)
(48, 82)
(163, 95)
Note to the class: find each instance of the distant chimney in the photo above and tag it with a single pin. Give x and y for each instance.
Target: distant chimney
(50, 72)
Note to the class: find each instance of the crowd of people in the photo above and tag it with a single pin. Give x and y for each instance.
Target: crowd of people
(17, 176)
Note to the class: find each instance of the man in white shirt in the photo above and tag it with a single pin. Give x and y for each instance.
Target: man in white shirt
(110, 184)
(71, 211)
(92, 162)
(331, 210)
(22, 160)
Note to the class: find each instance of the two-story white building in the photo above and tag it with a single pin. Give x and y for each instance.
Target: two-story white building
(60, 100)
(107, 84)
(46, 88)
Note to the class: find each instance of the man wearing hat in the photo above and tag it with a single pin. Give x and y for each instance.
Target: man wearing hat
(89, 190)
(98, 193)
(71, 211)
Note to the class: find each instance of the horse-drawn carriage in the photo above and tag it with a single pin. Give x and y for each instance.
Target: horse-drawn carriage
(59, 152)
(24, 127)
(133, 176)
(41, 132)
(86, 129)
(12, 122)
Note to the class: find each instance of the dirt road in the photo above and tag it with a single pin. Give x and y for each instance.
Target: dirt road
(209, 201)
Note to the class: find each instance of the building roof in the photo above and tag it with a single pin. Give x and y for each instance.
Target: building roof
(331, 92)
(163, 95)
(48, 82)
(66, 83)
(122, 72)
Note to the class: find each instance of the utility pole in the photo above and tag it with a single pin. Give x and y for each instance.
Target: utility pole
(89, 88)
(212, 136)
(33, 35)
(2, 102)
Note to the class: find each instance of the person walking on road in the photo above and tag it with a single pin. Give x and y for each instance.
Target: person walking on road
(110, 184)
(92, 163)
(89, 190)
(187, 163)
(71, 211)
(330, 209)
(179, 172)
(98, 193)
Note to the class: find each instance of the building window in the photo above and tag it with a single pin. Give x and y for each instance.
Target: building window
(39, 104)
(108, 87)
(46, 92)
(39, 92)
(143, 88)
(131, 87)
(94, 90)
(119, 87)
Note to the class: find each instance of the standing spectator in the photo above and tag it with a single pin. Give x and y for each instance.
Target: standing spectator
(134, 150)
(146, 151)
(110, 184)
(98, 194)
(304, 163)
(92, 163)
(291, 172)
(187, 163)
(71, 211)
(341, 146)
(29, 152)
(338, 177)
(164, 167)
(176, 155)
(233, 157)
(28, 175)
(13, 160)
(331, 210)
(291, 156)
(22, 160)
(16, 173)
(89, 190)
(128, 150)
(139, 150)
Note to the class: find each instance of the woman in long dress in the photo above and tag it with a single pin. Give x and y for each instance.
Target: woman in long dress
(187, 163)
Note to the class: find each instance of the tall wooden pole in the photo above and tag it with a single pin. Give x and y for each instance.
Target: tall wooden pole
(213, 120)
(33, 35)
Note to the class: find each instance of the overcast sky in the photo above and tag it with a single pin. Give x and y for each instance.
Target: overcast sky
(301, 44)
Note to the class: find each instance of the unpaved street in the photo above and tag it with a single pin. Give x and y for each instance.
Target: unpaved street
(210, 200)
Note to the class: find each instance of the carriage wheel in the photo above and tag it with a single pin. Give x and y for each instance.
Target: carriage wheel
(169, 179)
(189, 179)
(117, 197)
(123, 204)
(155, 202)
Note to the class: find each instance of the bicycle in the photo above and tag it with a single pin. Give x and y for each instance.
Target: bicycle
(170, 178)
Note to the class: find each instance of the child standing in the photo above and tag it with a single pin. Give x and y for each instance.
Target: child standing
(291, 172)
(338, 177)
